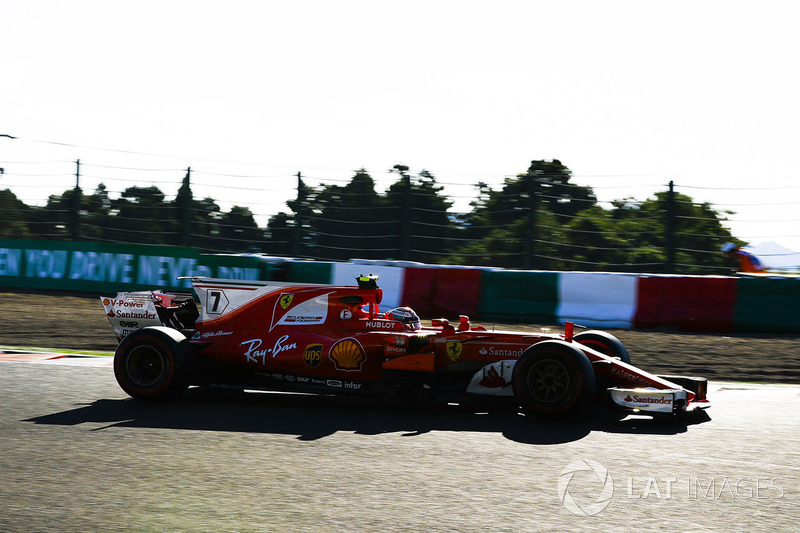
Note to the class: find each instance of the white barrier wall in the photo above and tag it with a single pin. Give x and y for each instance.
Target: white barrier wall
(391, 280)
(597, 299)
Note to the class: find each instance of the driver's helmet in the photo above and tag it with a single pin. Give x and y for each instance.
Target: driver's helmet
(406, 315)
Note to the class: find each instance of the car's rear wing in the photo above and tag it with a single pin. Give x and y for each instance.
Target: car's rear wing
(129, 311)
(219, 297)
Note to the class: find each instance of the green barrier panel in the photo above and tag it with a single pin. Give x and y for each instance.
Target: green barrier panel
(105, 267)
(767, 305)
(310, 272)
(519, 297)
(237, 267)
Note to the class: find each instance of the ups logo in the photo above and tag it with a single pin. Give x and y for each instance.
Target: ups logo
(312, 355)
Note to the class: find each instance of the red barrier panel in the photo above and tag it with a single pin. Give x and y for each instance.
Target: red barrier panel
(688, 303)
(442, 292)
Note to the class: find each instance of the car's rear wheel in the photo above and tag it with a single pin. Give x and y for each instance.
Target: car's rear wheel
(153, 363)
(552, 379)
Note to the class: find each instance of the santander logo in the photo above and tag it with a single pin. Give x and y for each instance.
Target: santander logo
(648, 399)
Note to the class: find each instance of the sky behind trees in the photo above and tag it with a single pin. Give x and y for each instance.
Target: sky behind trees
(626, 94)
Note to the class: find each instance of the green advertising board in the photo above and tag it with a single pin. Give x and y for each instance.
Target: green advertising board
(767, 305)
(310, 271)
(519, 296)
(106, 267)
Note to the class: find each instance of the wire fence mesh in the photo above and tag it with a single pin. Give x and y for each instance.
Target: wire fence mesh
(253, 212)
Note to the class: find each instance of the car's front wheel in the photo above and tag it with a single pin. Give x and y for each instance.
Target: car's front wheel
(604, 343)
(552, 379)
(153, 363)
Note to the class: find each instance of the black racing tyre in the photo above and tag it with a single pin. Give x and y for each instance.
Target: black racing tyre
(153, 363)
(606, 344)
(552, 379)
(603, 342)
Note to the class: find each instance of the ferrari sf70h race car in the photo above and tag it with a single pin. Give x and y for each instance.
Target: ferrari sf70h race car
(333, 339)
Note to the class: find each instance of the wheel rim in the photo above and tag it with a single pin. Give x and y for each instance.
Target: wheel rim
(549, 380)
(146, 366)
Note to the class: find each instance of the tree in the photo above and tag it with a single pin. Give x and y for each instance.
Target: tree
(94, 214)
(699, 232)
(16, 216)
(183, 205)
(419, 215)
(204, 224)
(142, 215)
(525, 217)
(632, 237)
(303, 208)
(538, 219)
(562, 228)
(549, 181)
(198, 221)
(348, 220)
(561, 197)
(279, 232)
(239, 231)
(60, 216)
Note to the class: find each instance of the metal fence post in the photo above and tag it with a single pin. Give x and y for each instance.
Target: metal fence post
(298, 221)
(75, 208)
(670, 234)
(185, 208)
(405, 237)
(529, 261)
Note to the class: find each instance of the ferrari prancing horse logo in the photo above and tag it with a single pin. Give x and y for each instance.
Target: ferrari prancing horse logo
(454, 349)
(286, 301)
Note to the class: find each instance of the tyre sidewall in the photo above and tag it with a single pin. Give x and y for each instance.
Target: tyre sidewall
(604, 343)
(575, 365)
(167, 348)
(607, 344)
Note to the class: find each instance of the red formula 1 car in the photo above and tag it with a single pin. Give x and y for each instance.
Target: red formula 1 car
(333, 339)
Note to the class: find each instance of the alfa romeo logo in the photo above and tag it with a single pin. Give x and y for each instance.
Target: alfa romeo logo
(583, 504)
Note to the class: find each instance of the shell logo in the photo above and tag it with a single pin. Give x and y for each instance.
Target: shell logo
(347, 355)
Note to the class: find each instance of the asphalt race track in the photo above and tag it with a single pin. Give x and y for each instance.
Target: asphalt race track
(76, 454)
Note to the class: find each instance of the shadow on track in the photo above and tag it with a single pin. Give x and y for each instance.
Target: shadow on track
(312, 417)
